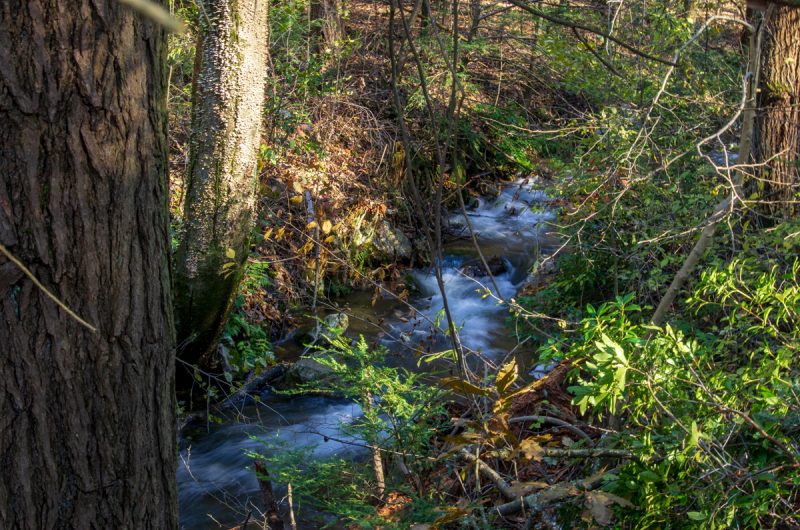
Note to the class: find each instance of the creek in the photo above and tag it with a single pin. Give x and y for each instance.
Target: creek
(217, 486)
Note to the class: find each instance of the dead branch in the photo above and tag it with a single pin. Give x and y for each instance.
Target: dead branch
(488, 472)
(556, 493)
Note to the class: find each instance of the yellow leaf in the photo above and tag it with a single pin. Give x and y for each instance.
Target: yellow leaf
(230, 253)
(531, 449)
(330, 239)
(326, 226)
(268, 233)
(297, 199)
(297, 187)
(506, 376)
(459, 385)
(312, 225)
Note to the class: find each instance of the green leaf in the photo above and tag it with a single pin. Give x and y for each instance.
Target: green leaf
(649, 476)
(695, 436)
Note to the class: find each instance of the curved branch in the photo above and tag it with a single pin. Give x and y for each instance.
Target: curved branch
(554, 421)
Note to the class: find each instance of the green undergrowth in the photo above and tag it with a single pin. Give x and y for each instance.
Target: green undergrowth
(709, 404)
(400, 414)
(247, 343)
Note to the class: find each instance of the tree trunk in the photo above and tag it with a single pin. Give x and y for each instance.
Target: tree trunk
(273, 514)
(87, 418)
(778, 146)
(328, 15)
(221, 192)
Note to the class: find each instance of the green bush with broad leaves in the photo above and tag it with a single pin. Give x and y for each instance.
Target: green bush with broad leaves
(710, 406)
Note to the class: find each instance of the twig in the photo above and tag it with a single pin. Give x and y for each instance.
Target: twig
(487, 471)
(290, 501)
(597, 56)
(596, 452)
(44, 289)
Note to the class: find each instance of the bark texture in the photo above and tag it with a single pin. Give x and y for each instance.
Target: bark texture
(87, 426)
(779, 115)
(221, 194)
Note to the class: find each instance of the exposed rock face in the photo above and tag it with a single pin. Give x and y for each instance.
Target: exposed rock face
(475, 268)
(391, 244)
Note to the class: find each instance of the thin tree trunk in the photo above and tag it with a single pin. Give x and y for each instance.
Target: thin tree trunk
(87, 418)
(273, 515)
(745, 153)
(778, 145)
(377, 459)
(220, 202)
(327, 14)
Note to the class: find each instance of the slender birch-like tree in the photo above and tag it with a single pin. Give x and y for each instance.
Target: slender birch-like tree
(229, 89)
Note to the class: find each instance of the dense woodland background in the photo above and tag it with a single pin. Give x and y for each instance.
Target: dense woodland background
(196, 193)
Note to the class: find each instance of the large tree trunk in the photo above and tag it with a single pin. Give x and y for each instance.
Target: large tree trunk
(224, 147)
(778, 145)
(87, 418)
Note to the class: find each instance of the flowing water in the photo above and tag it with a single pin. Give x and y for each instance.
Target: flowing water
(216, 484)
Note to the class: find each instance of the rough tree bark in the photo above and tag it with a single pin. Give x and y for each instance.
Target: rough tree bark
(778, 122)
(220, 202)
(87, 418)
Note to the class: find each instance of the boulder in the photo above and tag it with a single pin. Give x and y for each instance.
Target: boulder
(474, 268)
(339, 321)
(306, 370)
(334, 321)
(390, 243)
